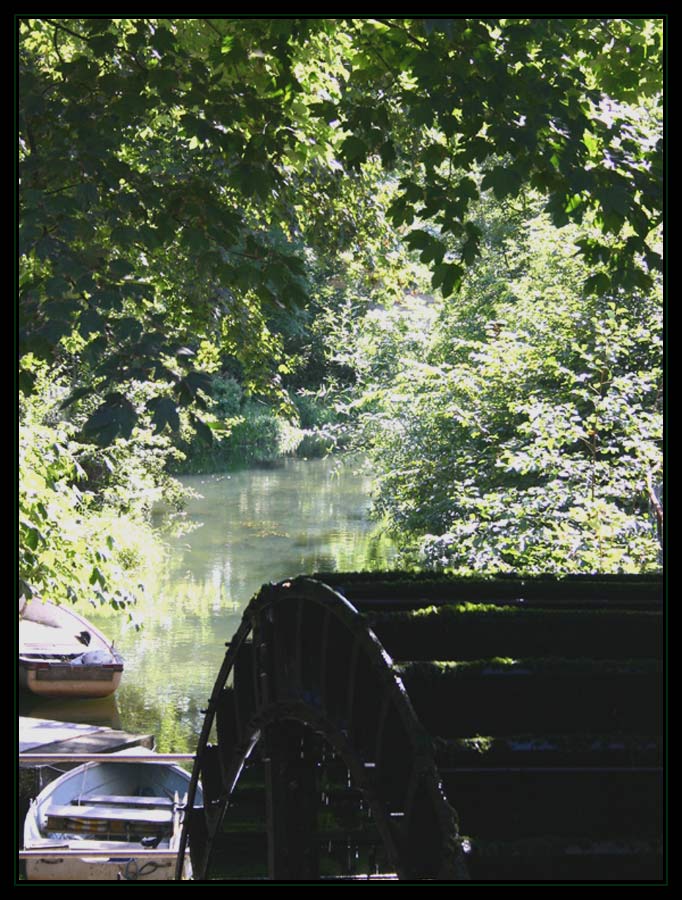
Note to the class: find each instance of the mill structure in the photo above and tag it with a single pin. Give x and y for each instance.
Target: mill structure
(413, 727)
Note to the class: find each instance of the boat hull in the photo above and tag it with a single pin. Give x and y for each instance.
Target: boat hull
(62, 655)
(118, 868)
(63, 681)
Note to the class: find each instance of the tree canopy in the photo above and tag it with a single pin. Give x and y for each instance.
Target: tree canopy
(173, 170)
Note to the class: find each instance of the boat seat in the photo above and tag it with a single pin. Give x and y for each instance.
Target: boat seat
(83, 844)
(112, 818)
(125, 800)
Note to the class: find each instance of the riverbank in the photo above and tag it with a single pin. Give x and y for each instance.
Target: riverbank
(250, 432)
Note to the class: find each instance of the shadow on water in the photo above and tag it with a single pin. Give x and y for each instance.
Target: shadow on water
(102, 712)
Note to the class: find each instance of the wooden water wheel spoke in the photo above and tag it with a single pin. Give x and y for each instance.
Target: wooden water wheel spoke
(351, 698)
(324, 639)
(243, 688)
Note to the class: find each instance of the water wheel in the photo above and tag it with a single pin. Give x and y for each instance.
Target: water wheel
(391, 726)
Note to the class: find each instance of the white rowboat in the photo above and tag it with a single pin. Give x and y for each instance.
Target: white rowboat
(130, 809)
(62, 655)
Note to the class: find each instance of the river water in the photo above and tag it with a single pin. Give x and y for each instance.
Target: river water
(248, 527)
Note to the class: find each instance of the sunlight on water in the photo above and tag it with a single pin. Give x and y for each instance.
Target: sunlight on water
(255, 526)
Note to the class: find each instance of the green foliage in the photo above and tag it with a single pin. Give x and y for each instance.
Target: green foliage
(259, 436)
(227, 396)
(133, 229)
(171, 170)
(500, 105)
(525, 434)
(82, 527)
(243, 431)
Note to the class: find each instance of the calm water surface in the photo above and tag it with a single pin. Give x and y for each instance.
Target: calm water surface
(254, 526)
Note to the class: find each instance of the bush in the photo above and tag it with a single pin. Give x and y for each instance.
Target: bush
(256, 436)
(84, 532)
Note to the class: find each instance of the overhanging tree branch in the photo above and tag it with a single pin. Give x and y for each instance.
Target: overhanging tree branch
(81, 37)
(423, 45)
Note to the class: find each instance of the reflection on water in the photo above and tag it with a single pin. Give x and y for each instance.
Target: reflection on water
(265, 525)
(255, 526)
(103, 712)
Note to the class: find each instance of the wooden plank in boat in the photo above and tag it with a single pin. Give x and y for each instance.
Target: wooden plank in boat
(123, 800)
(111, 814)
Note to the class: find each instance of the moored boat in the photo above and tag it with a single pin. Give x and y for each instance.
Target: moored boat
(62, 655)
(124, 807)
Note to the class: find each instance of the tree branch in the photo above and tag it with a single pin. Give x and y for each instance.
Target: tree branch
(213, 28)
(56, 46)
(376, 52)
(64, 187)
(415, 40)
(655, 503)
(67, 30)
(32, 146)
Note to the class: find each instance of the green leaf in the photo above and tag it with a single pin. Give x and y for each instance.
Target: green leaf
(470, 251)
(447, 277)
(187, 387)
(78, 394)
(149, 235)
(467, 189)
(418, 239)
(114, 418)
(120, 268)
(163, 40)
(27, 382)
(128, 329)
(87, 195)
(165, 81)
(476, 149)
(57, 287)
(354, 151)
(443, 26)
(93, 352)
(618, 200)
(103, 45)
(90, 322)
(96, 577)
(599, 284)
(254, 181)
(504, 181)
(97, 26)
(33, 537)
(593, 251)
(194, 239)
(109, 299)
(432, 248)
(434, 155)
(326, 110)
(164, 414)
(401, 212)
(45, 338)
(388, 155)
(124, 235)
